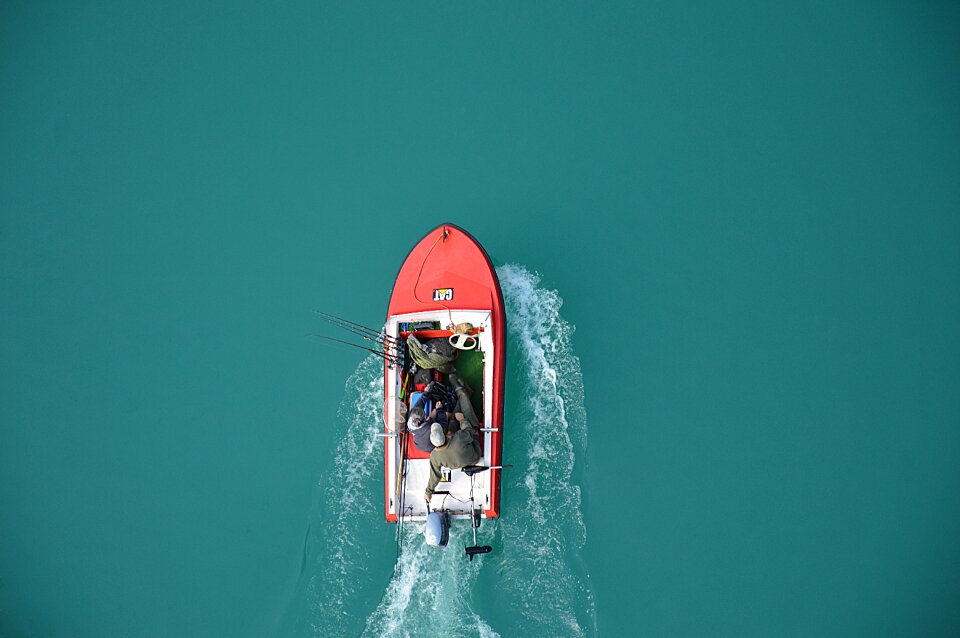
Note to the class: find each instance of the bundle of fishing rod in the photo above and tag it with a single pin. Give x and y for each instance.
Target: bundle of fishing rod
(390, 349)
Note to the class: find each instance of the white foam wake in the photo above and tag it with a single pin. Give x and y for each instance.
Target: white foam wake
(543, 573)
(430, 593)
(336, 558)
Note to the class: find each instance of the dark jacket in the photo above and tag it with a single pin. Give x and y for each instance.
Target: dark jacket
(421, 435)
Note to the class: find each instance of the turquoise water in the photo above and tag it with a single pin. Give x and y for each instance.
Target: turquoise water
(730, 241)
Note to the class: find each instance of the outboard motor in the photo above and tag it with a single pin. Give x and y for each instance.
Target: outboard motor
(438, 528)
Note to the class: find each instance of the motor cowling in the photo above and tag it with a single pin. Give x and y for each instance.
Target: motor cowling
(437, 531)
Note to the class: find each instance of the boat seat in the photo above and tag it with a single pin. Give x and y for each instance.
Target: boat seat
(427, 405)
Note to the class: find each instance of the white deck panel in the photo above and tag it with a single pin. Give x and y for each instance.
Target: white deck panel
(418, 470)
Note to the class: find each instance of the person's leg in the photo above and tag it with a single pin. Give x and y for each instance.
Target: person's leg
(441, 417)
(463, 400)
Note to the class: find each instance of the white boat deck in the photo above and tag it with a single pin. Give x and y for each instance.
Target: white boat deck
(410, 504)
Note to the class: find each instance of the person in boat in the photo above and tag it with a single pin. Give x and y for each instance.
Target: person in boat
(420, 424)
(462, 449)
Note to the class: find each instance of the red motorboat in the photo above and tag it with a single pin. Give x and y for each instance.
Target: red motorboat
(446, 291)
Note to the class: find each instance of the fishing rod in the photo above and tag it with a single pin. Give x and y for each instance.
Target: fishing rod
(388, 357)
(402, 494)
(383, 340)
(353, 325)
(367, 333)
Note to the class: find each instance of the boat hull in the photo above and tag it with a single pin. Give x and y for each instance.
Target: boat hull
(446, 279)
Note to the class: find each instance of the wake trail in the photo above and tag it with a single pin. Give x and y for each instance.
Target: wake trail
(544, 578)
(338, 570)
(430, 592)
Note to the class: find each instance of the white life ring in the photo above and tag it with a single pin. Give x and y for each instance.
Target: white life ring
(463, 342)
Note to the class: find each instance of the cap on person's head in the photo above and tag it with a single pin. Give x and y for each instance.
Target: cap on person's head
(416, 418)
(437, 437)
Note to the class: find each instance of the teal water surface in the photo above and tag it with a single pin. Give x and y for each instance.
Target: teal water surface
(729, 240)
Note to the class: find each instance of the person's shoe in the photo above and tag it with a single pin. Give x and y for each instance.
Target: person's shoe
(459, 384)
